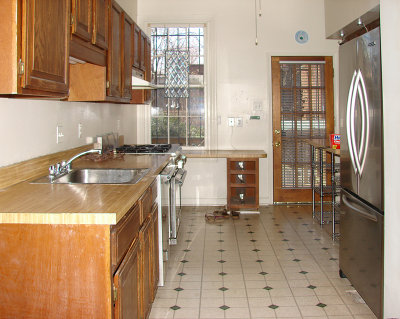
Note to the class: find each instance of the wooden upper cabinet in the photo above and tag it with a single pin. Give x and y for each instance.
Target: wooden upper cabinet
(143, 39)
(115, 53)
(89, 30)
(127, 63)
(136, 46)
(81, 19)
(100, 23)
(34, 46)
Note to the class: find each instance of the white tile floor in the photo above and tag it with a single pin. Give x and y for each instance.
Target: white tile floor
(279, 264)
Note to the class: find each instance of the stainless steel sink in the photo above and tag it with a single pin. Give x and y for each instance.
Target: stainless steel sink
(97, 176)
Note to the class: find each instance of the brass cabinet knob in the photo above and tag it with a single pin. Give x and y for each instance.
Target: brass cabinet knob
(277, 144)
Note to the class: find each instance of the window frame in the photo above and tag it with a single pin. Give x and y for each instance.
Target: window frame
(204, 86)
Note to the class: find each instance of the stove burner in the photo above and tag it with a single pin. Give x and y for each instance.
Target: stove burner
(145, 148)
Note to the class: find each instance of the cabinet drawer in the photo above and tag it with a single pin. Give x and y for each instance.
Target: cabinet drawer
(123, 234)
(243, 179)
(154, 191)
(246, 165)
(146, 201)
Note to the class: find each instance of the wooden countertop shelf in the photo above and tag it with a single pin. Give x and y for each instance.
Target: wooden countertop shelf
(225, 154)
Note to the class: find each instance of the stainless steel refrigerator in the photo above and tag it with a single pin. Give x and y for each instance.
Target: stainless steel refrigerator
(361, 156)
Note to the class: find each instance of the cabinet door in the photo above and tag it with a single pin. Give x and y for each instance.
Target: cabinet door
(127, 71)
(81, 15)
(143, 39)
(127, 286)
(100, 23)
(155, 250)
(45, 45)
(148, 68)
(136, 46)
(114, 68)
(146, 243)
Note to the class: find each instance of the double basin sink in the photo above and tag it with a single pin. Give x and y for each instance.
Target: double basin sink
(97, 176)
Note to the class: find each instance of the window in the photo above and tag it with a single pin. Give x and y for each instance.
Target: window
(178, 110)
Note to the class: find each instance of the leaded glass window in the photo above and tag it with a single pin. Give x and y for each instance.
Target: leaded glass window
(178, 110)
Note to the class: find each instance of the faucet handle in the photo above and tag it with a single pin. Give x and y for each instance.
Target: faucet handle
(52, 170)
(58, 166)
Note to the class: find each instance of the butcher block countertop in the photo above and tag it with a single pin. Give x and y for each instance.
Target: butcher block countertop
(27, 203)
(225, 154)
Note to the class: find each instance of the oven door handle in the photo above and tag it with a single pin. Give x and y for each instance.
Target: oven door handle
(182, 178)
(170, 175)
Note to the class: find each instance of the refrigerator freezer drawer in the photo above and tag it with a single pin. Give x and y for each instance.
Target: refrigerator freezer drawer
(361, 249)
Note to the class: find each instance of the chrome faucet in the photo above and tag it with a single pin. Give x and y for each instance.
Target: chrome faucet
(64, 167)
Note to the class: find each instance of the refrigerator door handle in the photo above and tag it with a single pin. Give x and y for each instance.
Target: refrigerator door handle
(364, 213)
(353, 123)
(349, 122)
(365, 122)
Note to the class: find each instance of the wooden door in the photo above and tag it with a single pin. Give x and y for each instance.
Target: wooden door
(100, 23)
(81, 16)
(45, 45)
(155, 251)
(302, 94)
(115, 58)
(145, 236)
(127, 43)
(127, 285)
(136, 46)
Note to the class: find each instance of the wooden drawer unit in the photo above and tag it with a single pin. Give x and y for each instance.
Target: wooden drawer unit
(242, 183)
(146, 201)
(123, 234)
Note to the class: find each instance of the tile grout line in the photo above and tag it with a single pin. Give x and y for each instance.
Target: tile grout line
(241, 265)
(283, 272)
(306, 246)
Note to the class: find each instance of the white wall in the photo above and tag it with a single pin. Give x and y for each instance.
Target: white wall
(241, 70)
(130, 6)
(390, 22)
(28, 127)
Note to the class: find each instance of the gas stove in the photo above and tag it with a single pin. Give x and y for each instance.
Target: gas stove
(149, 149)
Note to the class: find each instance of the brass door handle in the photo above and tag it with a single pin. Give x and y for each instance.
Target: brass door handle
(277, 131)
(277, 144)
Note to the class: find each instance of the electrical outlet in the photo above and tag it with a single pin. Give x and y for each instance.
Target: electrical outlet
(239, 121)
(231, 121)
(80, 127)
(59, 134)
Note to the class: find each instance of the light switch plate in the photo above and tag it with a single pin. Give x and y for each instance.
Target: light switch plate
(231, 121)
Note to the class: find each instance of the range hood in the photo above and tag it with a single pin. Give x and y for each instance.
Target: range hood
(138, 82)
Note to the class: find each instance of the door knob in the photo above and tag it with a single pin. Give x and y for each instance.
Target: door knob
(277, 144)
(277, 131)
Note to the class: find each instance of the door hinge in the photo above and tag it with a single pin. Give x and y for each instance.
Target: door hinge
(108, 84)
(21, 67)
(115, 294)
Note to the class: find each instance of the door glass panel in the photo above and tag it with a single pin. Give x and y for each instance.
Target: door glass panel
(303, 117)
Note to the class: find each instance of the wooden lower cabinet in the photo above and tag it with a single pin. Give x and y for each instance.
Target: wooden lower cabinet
(155, 251)
(242, 183)
(146, 242)
(126, 289)
(80, 271)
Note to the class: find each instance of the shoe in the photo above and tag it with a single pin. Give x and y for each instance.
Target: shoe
(235, 214)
